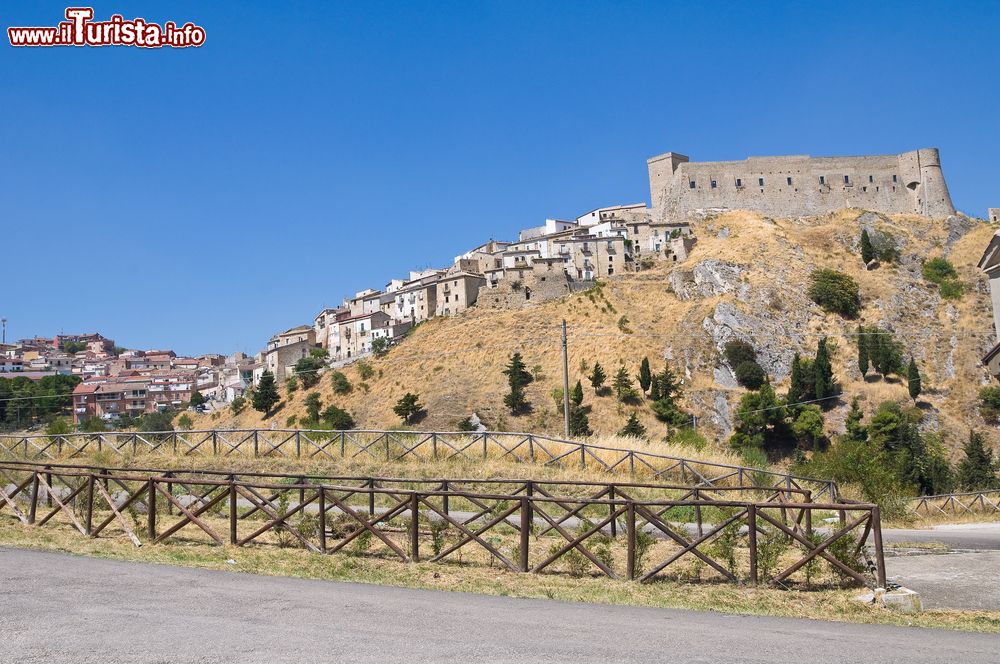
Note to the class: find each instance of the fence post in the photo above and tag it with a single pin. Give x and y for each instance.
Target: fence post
(255, 447)
(752, 531)
(233, 515)
(630, 540)
(530, 488)
(434, 445)
(876, 517)
(583, 457)
(215, 443)
(531, 448)
(371, 497)
(48, 492)
(90, 504)
(444, 500)
(525, 531)
(34, 497)
(809, 514)
(298, 444)
(611, 512)
(414, 528)
(151, 510)
(322, 519)
(343, 444)
(697, 513)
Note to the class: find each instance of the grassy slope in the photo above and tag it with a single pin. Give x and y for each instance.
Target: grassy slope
(455, 363)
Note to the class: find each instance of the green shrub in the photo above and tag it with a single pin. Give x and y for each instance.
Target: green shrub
(750, 375)
(339, 382)
(940, 271)
(989, 404)
(835, 292)
(738, 351)
(365, 370)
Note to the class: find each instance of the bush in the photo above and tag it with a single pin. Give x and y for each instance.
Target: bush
(738, 351)
(307, 370)
(835, 292)
(750, 375)
(940, 271)
(337, 418)
(58, 427)
(365, 370)
(989, 404)
(236, 407)
(339, 382)
(184, 421)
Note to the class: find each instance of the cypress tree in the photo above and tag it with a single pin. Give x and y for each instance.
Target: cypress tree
(645, 376)
(654, 388)
(597, 377)
(795, 386)
(668, 385)
(977, 470)
(862, 351)
(576, 394)
(855, 430)
(518, 377)
(823, 371)
(622, 382)
(913, 379)
(867, 250)
(266, 394)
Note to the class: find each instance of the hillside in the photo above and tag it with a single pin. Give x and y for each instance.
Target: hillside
(746, 278)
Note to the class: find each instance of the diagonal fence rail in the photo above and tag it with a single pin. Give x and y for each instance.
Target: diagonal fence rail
(620, 530)
(957, 504)
(389, 446)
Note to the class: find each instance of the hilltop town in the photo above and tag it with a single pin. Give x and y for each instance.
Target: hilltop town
(549, 262)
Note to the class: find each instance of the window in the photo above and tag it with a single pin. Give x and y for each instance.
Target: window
(822, 179)
(871, 178)
(894, 179)
(847, 179)
(760, 182)
(691, 184)
(739, 182)
(714, 184)
(789, 181)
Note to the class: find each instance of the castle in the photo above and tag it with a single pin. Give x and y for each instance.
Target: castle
(800, 185)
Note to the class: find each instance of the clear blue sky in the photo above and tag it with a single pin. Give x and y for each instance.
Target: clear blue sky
(203, 199)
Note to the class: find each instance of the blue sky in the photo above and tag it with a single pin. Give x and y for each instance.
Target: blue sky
(203, 199)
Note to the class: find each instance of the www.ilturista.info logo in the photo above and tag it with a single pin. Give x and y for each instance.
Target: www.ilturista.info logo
(79, 29)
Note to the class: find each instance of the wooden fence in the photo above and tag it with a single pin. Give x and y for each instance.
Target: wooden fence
(402, 445)
(526, 527)
(957, 504)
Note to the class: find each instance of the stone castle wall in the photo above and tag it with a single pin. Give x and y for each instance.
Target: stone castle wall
(912, 182)
(993, 214)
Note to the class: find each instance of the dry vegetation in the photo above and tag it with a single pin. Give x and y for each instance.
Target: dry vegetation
(455, 363)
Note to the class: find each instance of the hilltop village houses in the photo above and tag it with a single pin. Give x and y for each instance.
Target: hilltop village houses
(545, 262)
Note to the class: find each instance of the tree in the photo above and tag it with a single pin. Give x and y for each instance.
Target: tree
(633, 427)
(668, 385)
(197, 399)
(867, 250)
(808, 427)
(862, 351)
(236, 407)
(885, 352)
(977, 471)
(266, 395)
(518, 377)
(822, 372)
(313, 405)
(622, 383)
(645, 376)
(855, 429)
(738, 351)
(93, 425)
(750, 375)
(307, 370)
(835, 292)
(576, 394)
(337, 418)
(184, 421)
(760, 422)
(913, 379)
(798, 390)
(989, 404)
(59, 426)
(339, 382)
(407, 406)
(597, 377)
(380, 347)
(579, 423)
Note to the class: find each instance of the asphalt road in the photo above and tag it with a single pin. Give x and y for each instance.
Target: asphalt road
(961, 536)
(58, 607)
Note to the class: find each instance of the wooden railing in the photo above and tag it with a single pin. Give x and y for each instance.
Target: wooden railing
(404, 445)
(523, 527)
(957, 504)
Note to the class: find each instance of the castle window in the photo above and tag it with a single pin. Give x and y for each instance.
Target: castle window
(871, 179)
(822, 179)
(739, 182)
(760, 182)
(847, 179)
(789, 180)
(692, 185)
(894, 179)
(714, 184)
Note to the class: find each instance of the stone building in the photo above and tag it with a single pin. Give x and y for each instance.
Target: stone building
(791, 186)
(993, 215)
(990, 264)
(457, 291)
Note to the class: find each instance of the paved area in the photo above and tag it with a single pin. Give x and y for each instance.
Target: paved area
(58, 607)
(954, 580)
(961, 536)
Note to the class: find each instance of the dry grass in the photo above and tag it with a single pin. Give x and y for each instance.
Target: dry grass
(455, 363)
(834, 605)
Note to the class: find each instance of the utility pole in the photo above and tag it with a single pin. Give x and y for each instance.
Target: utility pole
(565, 380)
(4, 321)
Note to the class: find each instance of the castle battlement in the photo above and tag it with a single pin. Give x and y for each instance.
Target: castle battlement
(800, 185)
